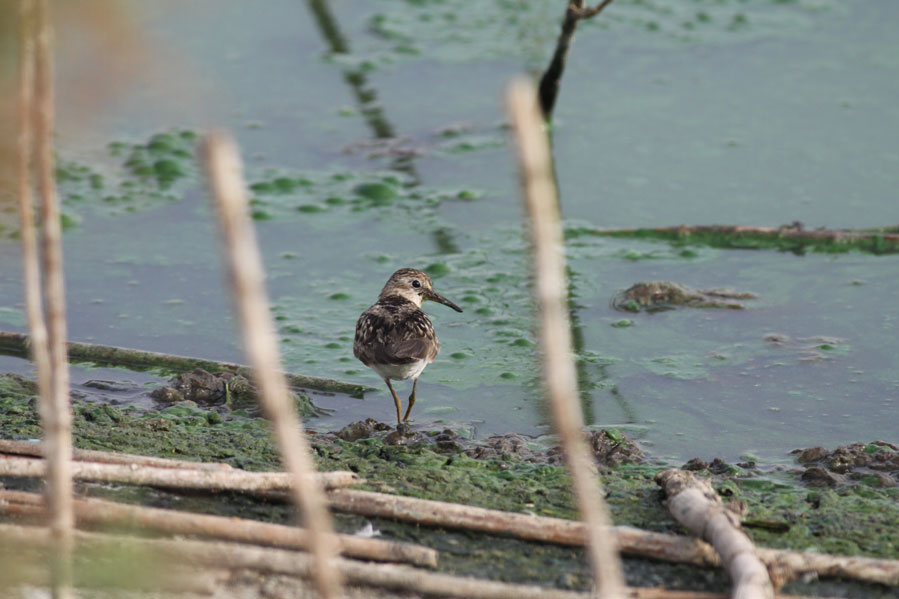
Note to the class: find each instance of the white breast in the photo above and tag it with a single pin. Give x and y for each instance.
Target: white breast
(398, 372)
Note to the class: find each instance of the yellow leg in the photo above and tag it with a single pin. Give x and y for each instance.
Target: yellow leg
(411, 400)
(396, 400)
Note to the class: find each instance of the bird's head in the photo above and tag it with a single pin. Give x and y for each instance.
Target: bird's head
(415, 286)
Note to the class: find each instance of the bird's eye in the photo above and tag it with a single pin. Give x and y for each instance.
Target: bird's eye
(416, 283)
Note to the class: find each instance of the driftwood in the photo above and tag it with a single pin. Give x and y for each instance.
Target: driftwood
(209, 480)
(18, 344)
(694, 503)
(554, 333)
(878, 240)
(630, 541)
(246, 275)
(205, 555)
(108, 457)
(240, 530)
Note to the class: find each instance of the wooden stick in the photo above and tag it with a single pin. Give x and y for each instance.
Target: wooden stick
(108, 457)
(631, 541)
(402, 578)
(247, 280)
(174, 478)
(55, 411)
(96, 511)
(694, 503)
(559, 374)
(108, 354)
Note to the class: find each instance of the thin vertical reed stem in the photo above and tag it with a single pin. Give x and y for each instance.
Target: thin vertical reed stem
(30, 260)
(55, 411)
(560, 380)
(247, 280)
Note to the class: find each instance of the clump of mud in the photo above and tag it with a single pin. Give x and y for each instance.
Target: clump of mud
(875, 464)
(609, 448)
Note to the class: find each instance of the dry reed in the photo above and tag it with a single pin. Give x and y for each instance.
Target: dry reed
(559, 376)
(247, 281)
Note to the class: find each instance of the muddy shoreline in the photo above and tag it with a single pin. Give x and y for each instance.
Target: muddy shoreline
(853, 508)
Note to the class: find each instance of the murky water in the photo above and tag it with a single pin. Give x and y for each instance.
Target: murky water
(757, 112)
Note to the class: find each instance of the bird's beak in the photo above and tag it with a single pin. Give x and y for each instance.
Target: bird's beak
(434, 296)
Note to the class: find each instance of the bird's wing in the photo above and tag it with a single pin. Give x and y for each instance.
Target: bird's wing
(383, 339)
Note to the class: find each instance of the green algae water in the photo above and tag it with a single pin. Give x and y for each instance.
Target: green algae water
(374, 139)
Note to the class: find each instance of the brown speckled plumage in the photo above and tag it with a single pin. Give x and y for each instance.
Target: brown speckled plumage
(394, 337)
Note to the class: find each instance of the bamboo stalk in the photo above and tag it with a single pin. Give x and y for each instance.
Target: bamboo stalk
(247, 280)
(27, 448)
(175, 478)
(122, 356)
(630, 541)
(559, 375)
(241, 530)
(693, 502)
(55, 410)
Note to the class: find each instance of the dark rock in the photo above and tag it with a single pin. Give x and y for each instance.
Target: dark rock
(819, 477)
(812, 454)
(695, 465)
(362, 429)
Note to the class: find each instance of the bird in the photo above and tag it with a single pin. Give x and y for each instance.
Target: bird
(395, 338)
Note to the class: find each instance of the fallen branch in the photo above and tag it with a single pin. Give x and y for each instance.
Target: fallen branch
(630, 541)
(878, 240)
(108, 457)
(208, 480)
(240, 530)
(694, 503)
(205, 554)
(18, 344)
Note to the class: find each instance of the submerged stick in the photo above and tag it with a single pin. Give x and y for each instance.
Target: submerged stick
(877, 240)
(122, 356)
(247, 281)
(551, 80)
(559, 375)
(240, 530)
(693, 502)
(174, 478)
(630, 541)
(108, 457)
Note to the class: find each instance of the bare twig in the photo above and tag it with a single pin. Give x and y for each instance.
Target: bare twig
(108, 457)
(552, 77)
(247, 280)
(55, 412)
(174, 478)
(630, 541)
(560, 379)
(694, 503)
(105, 513)
(109, 354)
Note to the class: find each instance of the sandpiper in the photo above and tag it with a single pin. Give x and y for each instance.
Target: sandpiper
(394, 337)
